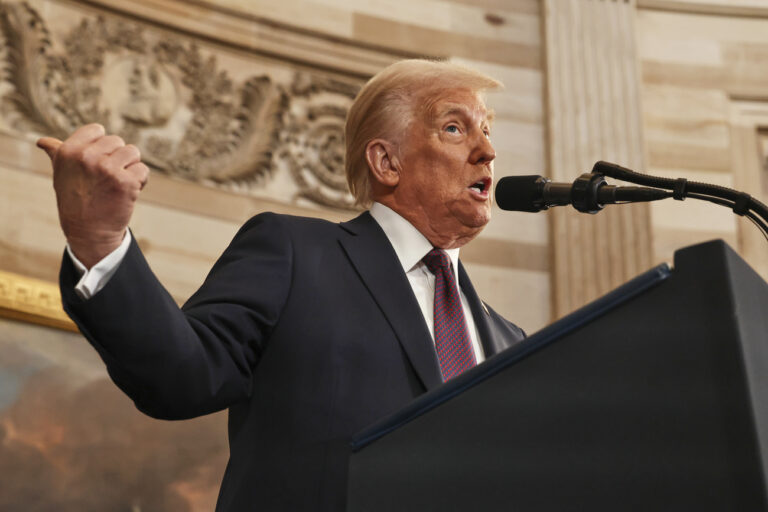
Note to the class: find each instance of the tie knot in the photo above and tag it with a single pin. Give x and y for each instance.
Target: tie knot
(437, 260)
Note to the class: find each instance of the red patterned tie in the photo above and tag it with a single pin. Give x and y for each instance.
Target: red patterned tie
(454, 347)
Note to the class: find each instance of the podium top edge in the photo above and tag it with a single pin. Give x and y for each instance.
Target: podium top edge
(512, 355)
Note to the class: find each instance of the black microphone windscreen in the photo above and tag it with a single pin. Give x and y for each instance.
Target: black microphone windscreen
(520, 193)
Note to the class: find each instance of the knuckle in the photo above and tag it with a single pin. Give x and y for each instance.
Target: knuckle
(139, 169)
(87, 156)
(95, 127)
(133, 150)
(115, 140)
(104, 163)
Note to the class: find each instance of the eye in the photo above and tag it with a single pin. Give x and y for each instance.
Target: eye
(452, 128)
(487, 133)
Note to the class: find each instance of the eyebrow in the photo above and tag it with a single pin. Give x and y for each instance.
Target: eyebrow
(452, 109)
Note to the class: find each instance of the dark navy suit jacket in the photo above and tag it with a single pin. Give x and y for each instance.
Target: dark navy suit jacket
(307, 331)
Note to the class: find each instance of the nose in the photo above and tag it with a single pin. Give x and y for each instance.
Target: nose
(483, 152)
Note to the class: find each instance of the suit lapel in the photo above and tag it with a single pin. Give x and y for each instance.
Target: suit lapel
(375, 260)
(492, 345)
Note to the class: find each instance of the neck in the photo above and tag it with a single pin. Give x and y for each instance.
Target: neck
(440, 234)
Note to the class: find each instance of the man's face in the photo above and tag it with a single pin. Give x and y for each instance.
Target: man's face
(446, 176)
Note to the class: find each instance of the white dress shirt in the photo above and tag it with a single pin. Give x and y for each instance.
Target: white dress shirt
(92, 280)
(409, 244)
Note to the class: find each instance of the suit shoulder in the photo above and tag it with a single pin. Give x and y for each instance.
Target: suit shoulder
(304, 231)
(283, 221)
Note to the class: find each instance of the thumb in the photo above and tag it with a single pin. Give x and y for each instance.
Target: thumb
(50, 145)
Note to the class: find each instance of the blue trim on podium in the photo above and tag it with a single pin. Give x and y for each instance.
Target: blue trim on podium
(494, 365)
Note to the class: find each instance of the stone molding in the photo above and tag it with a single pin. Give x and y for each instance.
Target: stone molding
(749, 164)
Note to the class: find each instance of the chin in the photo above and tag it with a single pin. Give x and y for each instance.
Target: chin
(480, 218)
(470, 228)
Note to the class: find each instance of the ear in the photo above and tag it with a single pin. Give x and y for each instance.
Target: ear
(382, 162)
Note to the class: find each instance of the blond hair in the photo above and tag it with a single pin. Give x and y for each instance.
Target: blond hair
(387, 103)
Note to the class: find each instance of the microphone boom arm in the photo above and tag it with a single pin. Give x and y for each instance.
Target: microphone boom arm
(740, 202)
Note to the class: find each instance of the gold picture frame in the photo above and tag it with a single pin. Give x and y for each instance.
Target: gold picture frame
(32, 300)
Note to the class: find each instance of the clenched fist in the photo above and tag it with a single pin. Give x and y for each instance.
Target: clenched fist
(97, 179)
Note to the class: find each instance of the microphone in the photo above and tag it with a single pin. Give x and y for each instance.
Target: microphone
(588, 194)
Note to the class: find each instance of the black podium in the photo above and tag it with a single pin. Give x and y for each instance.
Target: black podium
(654, 397)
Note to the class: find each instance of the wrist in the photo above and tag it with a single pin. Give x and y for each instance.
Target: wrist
(92, 249)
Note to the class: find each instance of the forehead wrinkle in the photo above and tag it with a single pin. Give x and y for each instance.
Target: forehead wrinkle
(435, 104)
(438, 111)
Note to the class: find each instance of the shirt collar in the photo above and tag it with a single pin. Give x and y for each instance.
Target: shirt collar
(409, 244)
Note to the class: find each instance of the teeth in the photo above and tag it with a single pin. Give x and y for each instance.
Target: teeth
(480, 186)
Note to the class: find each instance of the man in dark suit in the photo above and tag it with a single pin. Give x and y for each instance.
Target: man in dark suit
(307, 331)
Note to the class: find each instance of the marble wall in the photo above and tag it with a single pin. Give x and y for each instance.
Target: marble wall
(704, 102)
(238, 107)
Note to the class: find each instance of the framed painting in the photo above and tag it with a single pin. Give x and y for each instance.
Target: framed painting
(70, 440)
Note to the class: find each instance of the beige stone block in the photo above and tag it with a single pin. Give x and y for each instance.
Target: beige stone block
(696, 157)
(735, 80)
(507, 253)
(524, 227)
(180, 247)
(424, 13)
(31, 242)
(432, 42)
(519, 148)
(746, 63)
(523, 297)
(721, 7)
(522, 98)
(683, 75)
(18, 151)
(686, 128)
(306, 14)
(676, 26)
(688, 51)
(708, 137)
(501, 25)
(521, 6)
(692, 215)
(521, 161)
(703, 106)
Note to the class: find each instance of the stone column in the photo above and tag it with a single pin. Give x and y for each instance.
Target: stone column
(593, 114)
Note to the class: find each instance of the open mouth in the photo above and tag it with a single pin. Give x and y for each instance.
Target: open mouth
(481, 186)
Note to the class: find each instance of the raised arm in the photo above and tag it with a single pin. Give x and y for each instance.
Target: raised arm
(97, 179)
(174, 364)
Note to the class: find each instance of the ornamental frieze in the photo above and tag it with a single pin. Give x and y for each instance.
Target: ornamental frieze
(238, 123)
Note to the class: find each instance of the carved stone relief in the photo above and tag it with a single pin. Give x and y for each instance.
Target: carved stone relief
(276, 133)
(312, 141)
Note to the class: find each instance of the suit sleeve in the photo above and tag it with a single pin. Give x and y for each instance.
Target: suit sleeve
(180, 363)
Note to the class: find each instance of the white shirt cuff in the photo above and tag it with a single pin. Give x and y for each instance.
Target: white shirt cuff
(93, 280)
